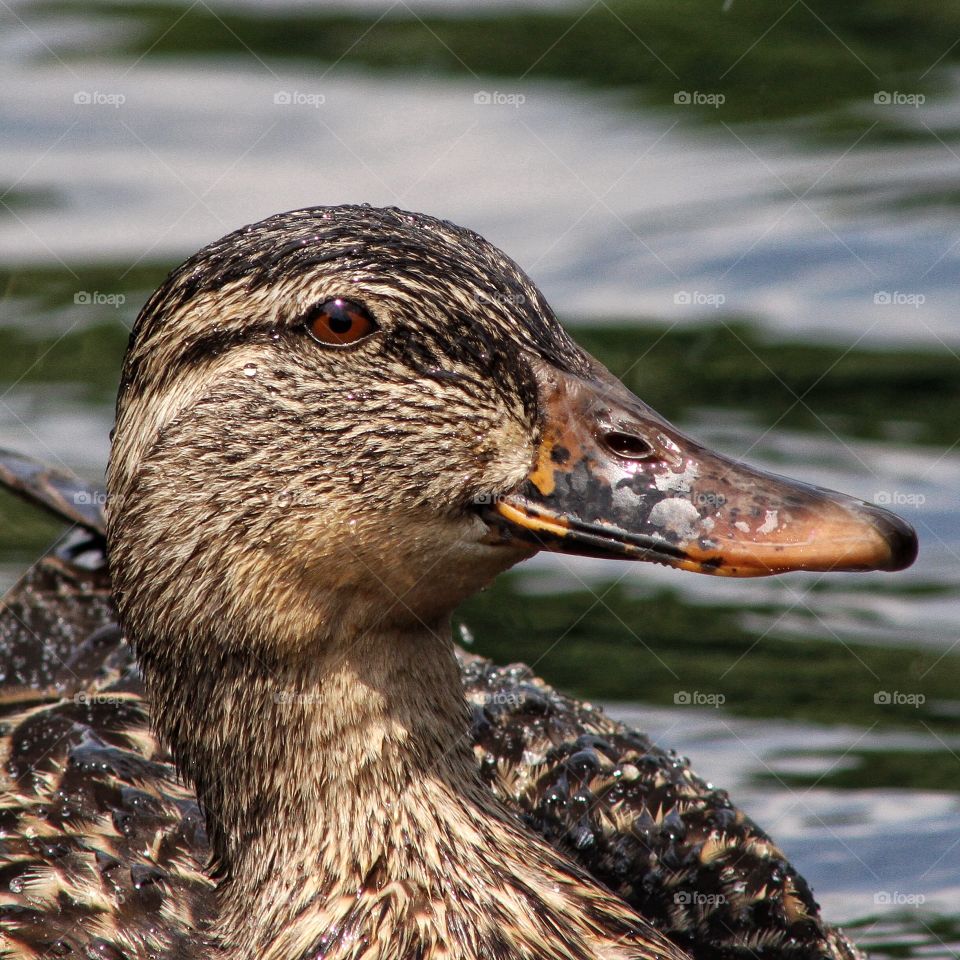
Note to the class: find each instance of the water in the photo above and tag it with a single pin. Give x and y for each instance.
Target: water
(777, 273)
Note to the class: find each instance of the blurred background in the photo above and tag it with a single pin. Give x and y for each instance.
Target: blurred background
(747, 210)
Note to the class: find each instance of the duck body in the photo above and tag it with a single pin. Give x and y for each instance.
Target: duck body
(332, 427)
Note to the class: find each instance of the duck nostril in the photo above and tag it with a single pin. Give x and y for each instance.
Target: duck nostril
(627, 445)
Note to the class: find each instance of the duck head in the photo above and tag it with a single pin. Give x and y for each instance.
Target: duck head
(347, 409)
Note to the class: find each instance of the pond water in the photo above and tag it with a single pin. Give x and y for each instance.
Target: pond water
(748, 213)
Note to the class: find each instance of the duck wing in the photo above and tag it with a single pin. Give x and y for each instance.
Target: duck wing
(57, 491)
(102, 849)
(642, 822)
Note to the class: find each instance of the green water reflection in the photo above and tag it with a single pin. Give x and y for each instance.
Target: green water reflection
(768, 60)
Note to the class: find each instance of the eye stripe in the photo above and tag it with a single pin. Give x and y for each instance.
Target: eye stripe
(198, 351)
(214, 344)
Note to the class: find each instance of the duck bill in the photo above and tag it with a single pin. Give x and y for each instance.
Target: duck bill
(613, 479)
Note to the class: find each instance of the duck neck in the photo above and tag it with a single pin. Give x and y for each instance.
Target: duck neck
(346, 814)
(313, 771)
(354, 736)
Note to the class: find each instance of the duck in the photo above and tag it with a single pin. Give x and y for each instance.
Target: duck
(235, 722)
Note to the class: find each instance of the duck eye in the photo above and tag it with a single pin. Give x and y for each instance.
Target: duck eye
(337, 323)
